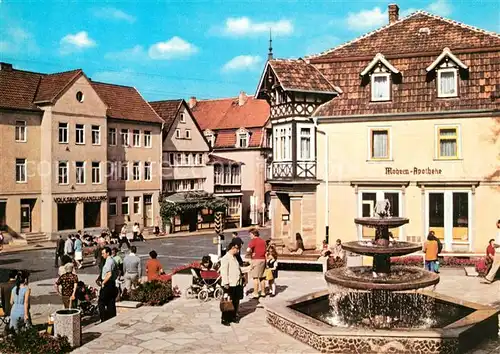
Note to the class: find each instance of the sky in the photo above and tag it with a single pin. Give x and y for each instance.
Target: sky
(208, 49)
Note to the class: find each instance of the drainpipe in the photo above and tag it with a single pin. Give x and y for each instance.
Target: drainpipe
(327, 177)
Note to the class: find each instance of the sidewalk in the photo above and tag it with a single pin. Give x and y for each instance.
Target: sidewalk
(203, 232)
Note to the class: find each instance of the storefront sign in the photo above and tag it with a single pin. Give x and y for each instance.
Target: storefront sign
(413, 171)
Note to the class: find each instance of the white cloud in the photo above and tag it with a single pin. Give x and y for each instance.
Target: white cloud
(243, 26)
(17, 39)
(112, 13)
(175, 47)
(440, 7)
(135, 53)
(76, 42)
(320, 44)
(366, 19)
(243, 62)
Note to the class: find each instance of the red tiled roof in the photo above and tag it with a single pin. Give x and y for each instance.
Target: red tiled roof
(227, 138)
(52, 85)
(228, 114)
(125, 102)
(298, 75)
(167, 110)
(18, 89)
(214, 159)
(408, 36)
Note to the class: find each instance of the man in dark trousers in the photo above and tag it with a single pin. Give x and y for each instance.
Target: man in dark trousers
(108, 293)
(59, 251)
(239, 242)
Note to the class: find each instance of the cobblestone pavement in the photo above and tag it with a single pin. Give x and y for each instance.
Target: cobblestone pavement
(188, 326)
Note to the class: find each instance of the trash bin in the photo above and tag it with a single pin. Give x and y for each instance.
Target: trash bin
(67, 323)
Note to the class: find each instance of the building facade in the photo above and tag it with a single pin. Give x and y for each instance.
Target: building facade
(413, 118)
(54, 131)
(236, 130)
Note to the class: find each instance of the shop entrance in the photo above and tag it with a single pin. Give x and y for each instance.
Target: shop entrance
(91, 214)
(66, 216)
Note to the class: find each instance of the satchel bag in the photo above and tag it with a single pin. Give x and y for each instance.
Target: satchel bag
(226, 305)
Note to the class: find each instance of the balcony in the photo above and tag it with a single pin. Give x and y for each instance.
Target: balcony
(289, 170)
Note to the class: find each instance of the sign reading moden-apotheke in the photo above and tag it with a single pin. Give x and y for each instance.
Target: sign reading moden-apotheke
(413, 171)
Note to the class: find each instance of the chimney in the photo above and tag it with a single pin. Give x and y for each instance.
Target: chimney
(192, 102)
(393, 13)
(242, 98)
(5, 66)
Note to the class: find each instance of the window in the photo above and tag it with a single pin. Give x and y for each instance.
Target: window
(379, 144)
(447, 143)
(96, 172)
(305, 144)
(147, 171)
(188, 134)
(147, 139)
(96, 135)
(177, 133)
(381, 87)
(235, 175)
(63, 172)
(112, 206)
(137, 205)
(171, 159)
(447, 82)
(185, 160)
(124, 137)
(124, 171)
(234, 206)
(112, 136)
(21, 170)
(136, 172)
(170, 186)
(242, 140)
(199, 159)
(218, 174)
(136, 138)
(211, 140)
(282, 148)
(80, 134)
(63, 133)
(124, 205)
(190, 159)
(20, 131)
(80, 172)
(182, 118)
(80, 97)
(178, 159)
(112, 174)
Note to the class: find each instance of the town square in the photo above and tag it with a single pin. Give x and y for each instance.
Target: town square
(250, 177)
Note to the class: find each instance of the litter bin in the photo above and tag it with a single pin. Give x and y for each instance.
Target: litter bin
(67, 323)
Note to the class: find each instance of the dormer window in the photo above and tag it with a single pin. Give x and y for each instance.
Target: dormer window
(381, 86)
(210, 136)
(242, 138)
(447, 82)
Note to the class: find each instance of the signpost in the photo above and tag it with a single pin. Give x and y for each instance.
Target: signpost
(219, 228)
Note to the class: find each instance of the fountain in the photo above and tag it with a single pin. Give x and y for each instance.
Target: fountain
(383, 309)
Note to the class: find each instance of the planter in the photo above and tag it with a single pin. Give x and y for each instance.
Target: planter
(67, 323)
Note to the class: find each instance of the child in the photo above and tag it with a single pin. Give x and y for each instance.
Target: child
(272, 270)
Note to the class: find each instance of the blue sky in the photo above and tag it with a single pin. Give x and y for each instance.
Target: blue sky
(207, 49)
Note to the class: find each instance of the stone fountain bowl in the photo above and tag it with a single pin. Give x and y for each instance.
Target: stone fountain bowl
(394, 249)
(391, 222)
(401, 278)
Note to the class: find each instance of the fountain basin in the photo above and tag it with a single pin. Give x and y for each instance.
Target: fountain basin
(390, 222)
(401, 278)
(472, 324)
(395, 249)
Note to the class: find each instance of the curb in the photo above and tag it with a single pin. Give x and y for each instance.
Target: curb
(26, 249)
(204, 233)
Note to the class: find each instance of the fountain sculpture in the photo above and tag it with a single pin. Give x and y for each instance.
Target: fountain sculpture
(379, 309)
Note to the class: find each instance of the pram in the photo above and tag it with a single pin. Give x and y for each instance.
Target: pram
(206, 284)
(86, 296)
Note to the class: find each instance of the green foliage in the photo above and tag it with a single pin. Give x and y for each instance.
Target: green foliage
(30, 341)
(194, 201)
(153, 293)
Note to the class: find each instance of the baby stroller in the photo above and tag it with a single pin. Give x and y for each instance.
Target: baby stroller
(206, 283)
(87, 299)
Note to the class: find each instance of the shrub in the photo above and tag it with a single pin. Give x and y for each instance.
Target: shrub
(153, 293)
(482, 267)
(450, 262)
(30, 341)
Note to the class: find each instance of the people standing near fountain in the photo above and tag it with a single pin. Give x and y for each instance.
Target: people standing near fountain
(272, 270)
(232, 282)
(431, 250)
(20, 301)
(257, 249)
(495, 264)
(299, 245)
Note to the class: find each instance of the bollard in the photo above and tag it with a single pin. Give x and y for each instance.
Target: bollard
(67, 323)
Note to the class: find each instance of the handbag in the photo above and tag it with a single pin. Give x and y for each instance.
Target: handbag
(226, 305)
(269, 274)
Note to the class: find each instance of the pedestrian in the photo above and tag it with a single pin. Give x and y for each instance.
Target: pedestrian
(6, 291)
(239, 242)
(257, 250)
(153, 266)
(20, 302)
(495, 266)
(78, 246)
(272, 270)
(108, 292)
(68, 246)
(232, 282)
(298, 248)
(118, 260)
(132, 269)
(66, 286)
(65, 259)
(137, 233)
(123, 237)
(490, 254)
(440, 249)
(59, 251)
(431, 252)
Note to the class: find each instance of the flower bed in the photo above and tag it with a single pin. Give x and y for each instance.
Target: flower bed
(30, 341)
(449, 262)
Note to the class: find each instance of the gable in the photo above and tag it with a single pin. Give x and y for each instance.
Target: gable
(53, 85)
(91, 104)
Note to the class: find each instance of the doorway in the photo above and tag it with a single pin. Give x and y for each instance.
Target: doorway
(148, 210)
(25, 218)
(66, 216)
(448, 215)
(92, 214)
(3, 215)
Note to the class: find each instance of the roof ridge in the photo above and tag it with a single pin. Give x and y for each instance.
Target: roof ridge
(29, 72)
(64, 72)
(314, 56)
(110, 84)
(173, 100)
(151, 108)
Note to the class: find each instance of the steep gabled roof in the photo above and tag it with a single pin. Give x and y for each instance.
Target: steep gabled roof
(418, 32)
(53, 85)
(125, 102)
(167, 110)
(227, 138)
(18, 89)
